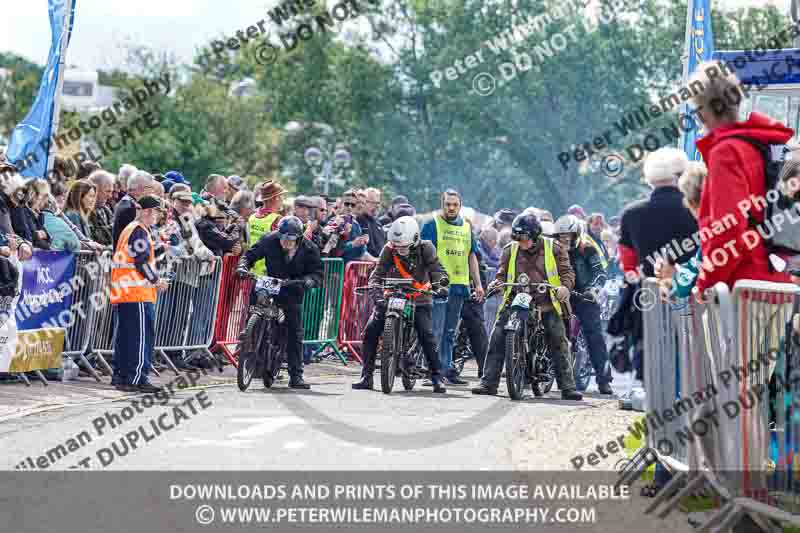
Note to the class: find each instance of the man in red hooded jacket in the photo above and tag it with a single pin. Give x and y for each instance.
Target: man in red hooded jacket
(732, 251)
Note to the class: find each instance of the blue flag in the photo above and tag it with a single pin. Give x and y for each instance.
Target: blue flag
(700, 45)
(30, 140)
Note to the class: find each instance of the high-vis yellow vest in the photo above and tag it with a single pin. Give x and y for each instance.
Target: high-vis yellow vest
(453, 245)
(591, 242)
(259, 227)
(550, 267)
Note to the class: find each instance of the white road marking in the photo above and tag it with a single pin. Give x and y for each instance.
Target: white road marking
(265, 426)
(228, 443)
(373, 450)
(294, 445)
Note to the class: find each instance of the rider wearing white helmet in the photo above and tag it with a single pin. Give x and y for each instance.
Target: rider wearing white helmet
(590, 275)
(405, 256)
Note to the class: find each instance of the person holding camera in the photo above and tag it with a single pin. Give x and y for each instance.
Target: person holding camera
(343, 236)
(406, 256)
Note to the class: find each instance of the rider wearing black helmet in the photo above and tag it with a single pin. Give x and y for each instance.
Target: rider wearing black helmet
(288, 256)
(543, 260)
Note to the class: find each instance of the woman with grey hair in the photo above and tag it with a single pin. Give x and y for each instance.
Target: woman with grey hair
(731, 149)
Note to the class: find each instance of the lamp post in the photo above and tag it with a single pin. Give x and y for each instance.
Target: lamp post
(328, 165)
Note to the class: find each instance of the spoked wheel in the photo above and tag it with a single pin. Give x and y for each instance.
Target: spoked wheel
(276, 347)
(419, 359)
(461, 350)
(515, 365)
(543, 367)
(389, 353)
(581, 364)
(248, 353)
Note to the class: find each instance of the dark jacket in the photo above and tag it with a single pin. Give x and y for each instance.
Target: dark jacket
(648, 225)
(25, 223)
(101, 221)
(214, 238)
(306, 263)
(586, 263)
(5, 214)
(377, 236)
(532, 263)
(422, 263)
(124, 213)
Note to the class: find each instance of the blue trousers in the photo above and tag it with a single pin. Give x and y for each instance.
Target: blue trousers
(134, 337)
(445, 320)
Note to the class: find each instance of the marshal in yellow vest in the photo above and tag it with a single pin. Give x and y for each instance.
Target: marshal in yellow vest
(550, 267)
(453, 245)
(258, 228)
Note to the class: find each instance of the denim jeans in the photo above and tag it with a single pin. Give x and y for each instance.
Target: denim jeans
(445, 320)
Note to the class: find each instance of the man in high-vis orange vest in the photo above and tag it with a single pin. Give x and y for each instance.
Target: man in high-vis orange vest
(134, 283)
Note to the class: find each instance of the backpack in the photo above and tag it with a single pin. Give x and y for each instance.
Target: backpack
(786, 238)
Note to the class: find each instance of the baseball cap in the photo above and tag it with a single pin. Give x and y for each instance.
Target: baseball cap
(175, 176)
(235, 182)
(149, 202)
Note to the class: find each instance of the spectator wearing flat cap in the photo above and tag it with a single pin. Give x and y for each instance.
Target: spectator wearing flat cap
(233, 185)
(390, 216)
(134, 284)
(317, 220)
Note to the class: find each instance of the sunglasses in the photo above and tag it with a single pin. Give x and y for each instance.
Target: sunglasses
(349, 204)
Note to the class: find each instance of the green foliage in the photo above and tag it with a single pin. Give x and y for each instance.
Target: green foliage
(18, 91)
(410, 136)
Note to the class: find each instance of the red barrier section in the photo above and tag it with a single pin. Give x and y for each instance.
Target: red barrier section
(356, 308)
(232, 312)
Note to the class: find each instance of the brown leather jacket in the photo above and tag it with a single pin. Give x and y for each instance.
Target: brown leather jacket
(532, 263)
(424, 267)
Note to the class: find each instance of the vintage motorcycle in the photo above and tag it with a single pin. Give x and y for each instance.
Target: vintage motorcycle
(400, 352)
(527, 358)
(263, 341)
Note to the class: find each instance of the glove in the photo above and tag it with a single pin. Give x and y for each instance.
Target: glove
(309, 284)
(442, 293)
(562, 294)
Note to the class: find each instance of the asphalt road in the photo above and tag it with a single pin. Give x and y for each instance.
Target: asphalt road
(328, 427)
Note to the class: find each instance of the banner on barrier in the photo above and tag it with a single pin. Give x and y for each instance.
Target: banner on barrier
(46, 289)
(31, 350)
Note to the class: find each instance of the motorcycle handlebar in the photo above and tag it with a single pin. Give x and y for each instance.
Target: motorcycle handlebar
(542, 287)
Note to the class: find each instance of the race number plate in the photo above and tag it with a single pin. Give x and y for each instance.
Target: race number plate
(271, 285)
(521, 301)
(397, 304)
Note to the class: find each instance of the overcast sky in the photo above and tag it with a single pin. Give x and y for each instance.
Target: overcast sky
(176, 25)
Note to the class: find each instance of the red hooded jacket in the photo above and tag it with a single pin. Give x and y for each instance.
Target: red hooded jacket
(736, 176)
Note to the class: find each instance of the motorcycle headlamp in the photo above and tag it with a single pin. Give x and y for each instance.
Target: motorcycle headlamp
(523, 279)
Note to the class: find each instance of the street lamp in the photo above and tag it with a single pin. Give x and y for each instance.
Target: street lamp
(328, 167)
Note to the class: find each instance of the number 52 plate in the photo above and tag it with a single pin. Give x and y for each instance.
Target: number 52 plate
(522, 300)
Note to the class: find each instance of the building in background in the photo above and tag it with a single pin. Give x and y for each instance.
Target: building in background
(82, 93)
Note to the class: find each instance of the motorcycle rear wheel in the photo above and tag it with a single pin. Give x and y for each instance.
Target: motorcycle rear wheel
(581, 363)
(389, 353)
(515, 365)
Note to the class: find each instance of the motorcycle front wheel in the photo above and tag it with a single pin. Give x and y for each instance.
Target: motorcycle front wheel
(248, 355)
(390, 352)
(581, 364)
(515, 365)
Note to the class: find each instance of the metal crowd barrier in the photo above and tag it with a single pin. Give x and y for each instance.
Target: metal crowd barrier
(322, 309)
(231, 317)
(185, 311)
(734, 351)
(356, 307)
(91, 276)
